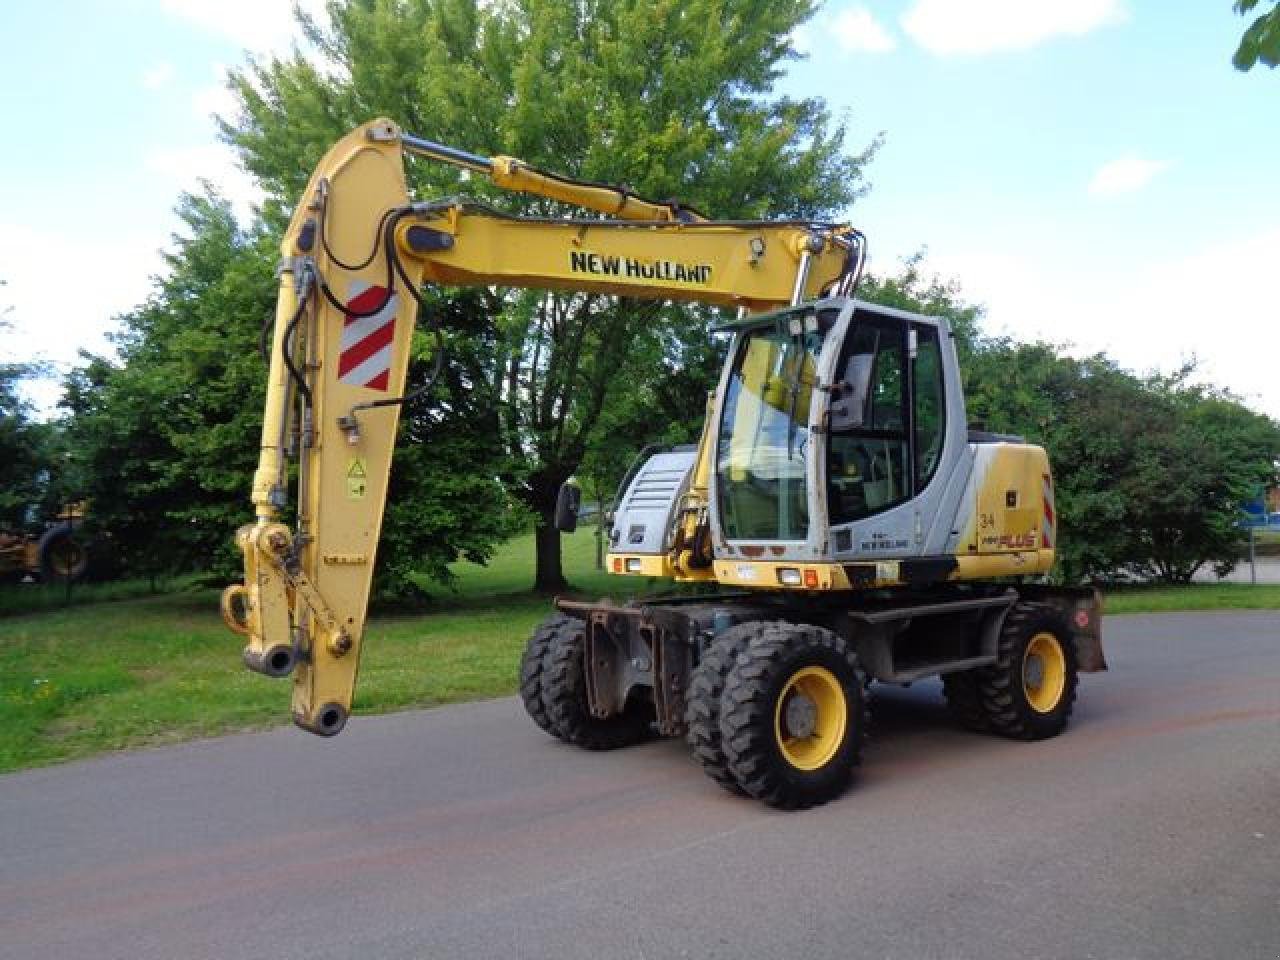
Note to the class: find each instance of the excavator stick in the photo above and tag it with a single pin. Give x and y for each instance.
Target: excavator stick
(338, 364)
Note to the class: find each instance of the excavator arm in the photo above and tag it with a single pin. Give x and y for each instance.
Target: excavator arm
(354, 258)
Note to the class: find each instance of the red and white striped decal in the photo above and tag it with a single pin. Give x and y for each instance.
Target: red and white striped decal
(1046, 523)
(365, 360)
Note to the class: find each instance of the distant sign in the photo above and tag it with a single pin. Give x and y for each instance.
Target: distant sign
(1256, 514)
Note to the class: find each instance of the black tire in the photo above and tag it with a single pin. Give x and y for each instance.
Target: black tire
(564, 698)
(533, 669)
(760, 686)
(62, 557)
(702, 709)
(1008, 693)
(963, 693)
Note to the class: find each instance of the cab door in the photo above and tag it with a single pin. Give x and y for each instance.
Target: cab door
(892, 441)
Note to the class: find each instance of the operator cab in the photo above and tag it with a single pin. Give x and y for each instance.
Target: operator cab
(840, 434)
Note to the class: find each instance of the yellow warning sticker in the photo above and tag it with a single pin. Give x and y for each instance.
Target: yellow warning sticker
(357, 478)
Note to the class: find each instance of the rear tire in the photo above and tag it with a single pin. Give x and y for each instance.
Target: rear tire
(533, 669)
(1030, 691)
(564, 698)
(793, 716)
(62, 556)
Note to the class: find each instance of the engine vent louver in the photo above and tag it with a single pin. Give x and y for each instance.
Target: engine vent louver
(654, 488)
(646, 515)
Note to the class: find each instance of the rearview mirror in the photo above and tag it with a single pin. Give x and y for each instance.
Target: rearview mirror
(567, 503)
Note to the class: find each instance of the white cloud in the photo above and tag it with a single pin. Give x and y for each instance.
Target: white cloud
(986, 26)
(258, 25)
(855, 29)
(55, 314)
(1125, 174)
(217, 98)
(1216, 304)
(184, 167)
(158, 76)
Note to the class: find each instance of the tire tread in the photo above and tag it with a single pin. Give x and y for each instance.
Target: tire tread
(746, 721)
(1006, 712)
(533, 671)
(702, 711)
(564, 698)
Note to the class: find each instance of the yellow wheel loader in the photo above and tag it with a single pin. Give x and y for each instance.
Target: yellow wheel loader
(845, 523)
(58, 555)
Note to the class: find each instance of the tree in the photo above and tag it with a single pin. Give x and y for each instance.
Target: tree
(1219, 455)
(1150, 473)
(674, 98)
(24, 442)
(1261, 39)
(168, 433)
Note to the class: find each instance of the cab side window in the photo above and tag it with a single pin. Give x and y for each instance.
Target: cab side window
(868, 453)
(928, 404)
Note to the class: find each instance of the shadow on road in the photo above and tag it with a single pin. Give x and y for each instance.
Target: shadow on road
(898, 711)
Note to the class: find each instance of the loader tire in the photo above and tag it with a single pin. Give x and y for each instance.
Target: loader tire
(62, 557)
(1028, 694)
(702, 709)
(564, 698)
(533, 667)
(793, 716)
(963, 693)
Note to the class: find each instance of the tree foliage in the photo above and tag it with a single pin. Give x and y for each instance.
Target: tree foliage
(28, 460)
(1150, 472)
(167, 434)
(1261, 39)
(672, 98)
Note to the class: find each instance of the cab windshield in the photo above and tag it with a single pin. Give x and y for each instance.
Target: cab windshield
(764, 432)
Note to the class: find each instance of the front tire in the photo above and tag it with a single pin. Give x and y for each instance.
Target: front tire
(564, 697)
(702, 711)
(793, 716)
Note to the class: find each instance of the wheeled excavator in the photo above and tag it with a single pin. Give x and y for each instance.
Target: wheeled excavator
(838, 520)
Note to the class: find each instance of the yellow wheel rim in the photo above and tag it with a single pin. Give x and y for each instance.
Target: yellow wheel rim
(810, 718)
(1044, 672)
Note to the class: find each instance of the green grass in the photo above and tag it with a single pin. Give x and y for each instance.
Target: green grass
(17, 598)
(1197, 596)
(123, 670)
(507, 576)
(153, 669)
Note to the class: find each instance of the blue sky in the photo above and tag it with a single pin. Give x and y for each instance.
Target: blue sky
(1095, 171)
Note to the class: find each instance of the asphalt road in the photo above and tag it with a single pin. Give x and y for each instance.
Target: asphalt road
(1151, 829)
